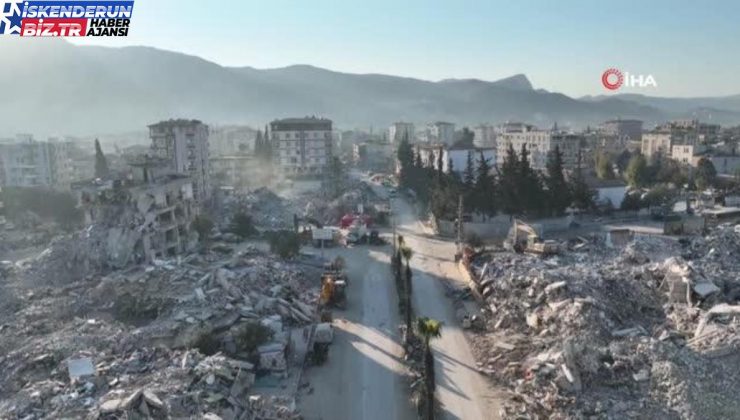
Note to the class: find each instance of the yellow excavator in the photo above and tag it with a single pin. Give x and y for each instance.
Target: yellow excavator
(523, 238)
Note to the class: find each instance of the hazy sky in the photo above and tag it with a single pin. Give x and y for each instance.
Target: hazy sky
(691, 48)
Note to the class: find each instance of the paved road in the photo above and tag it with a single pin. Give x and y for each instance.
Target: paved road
(463, 393)
(362, 379)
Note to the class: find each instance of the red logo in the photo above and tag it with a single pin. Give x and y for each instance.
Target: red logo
(612, 79)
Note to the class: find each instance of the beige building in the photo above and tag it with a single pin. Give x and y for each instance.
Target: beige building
(485, 135)
(26, 162)
(619, 128)
(302, 146)
(398, 130)
(440, 132)
(539, 144)
(661, 142)
(688, 154)
(184, 144)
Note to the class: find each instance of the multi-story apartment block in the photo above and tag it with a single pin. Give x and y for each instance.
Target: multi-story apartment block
(660, 142)
(688, 154)
(441, 132)
(400, 130)
(485, 135)
(629, 129)
(184, 144)
(539, 144)
(26, 162)
(301, 146)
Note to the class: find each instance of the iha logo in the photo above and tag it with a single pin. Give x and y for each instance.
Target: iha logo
(613, 79)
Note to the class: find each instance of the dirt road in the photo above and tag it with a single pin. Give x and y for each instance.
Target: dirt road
(461, 390)
(362, 379)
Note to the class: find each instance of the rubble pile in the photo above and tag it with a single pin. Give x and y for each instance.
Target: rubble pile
(268, 210)
(648, 331)
(176, 339)
(330, 211)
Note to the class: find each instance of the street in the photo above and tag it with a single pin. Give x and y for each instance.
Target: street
(463, 392)
(363, 376)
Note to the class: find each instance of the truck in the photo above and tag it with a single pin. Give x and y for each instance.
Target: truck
(318, 348)
(524, 238)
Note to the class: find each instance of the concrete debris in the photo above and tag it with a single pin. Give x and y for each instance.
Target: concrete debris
(166, 340)
(79, 368)
(645, 329)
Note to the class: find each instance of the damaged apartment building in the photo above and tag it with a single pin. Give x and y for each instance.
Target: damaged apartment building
(147, 214)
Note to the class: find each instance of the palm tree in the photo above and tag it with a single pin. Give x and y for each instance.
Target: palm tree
(407, 254)
(428, 329)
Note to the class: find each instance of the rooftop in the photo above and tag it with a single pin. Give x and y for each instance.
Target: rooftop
(175, 122)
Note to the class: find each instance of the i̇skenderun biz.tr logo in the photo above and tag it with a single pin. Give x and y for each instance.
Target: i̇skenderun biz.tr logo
(65, 18)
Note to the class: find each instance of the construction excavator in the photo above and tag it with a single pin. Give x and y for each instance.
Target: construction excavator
(333, 289)
(524, 238)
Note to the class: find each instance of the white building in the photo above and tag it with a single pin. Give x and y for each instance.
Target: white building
(302, 146)
(398, 130)
(25, 162)
(184, 143)
(441, 132)
(485, 135)
(455, 157)
(539, 144)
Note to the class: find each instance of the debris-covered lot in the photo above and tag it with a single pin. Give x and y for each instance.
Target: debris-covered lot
(649, 330)
(186, 338)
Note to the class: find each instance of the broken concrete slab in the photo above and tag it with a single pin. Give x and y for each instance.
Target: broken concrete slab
(79, 368)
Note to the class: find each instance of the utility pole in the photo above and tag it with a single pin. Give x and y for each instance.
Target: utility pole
(459, 225)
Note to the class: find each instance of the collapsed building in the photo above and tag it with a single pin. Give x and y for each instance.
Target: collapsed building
(148, 213)
(646, 330)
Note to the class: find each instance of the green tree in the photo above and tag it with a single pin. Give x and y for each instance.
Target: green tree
(469, 174)
(101, 163)
(529, 184)
(284, 243)
(706, 174)
(484, 190)
(440, 163)
(203, 226)
(407, 254)
(558, 192)
(604, 166)
(623, 160)
(428, 329)
(583, 195)
(637, 172)
(405, 156)
(508, 187)
(242, 225)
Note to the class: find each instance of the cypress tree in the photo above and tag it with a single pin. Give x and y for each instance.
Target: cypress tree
(101, 163)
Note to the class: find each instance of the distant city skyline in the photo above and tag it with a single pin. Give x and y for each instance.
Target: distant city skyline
(688, 47)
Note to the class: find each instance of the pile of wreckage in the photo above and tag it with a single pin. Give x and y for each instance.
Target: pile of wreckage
(648, 331)
(165, 340)
(268, 210)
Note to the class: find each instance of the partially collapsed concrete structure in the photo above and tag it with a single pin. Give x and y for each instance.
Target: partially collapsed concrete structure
(149, 213)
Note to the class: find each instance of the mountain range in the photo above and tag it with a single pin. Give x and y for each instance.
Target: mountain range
(54, 87)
